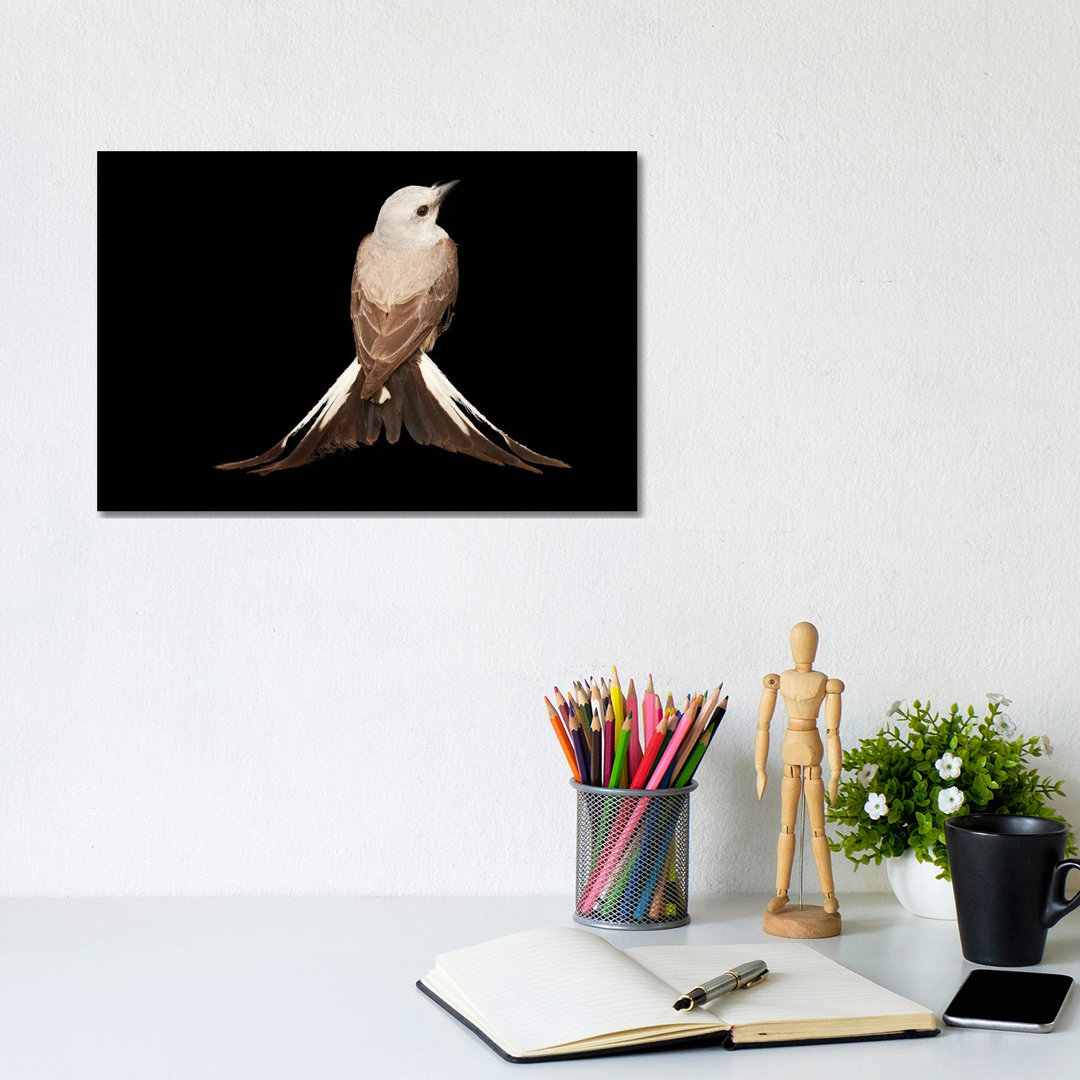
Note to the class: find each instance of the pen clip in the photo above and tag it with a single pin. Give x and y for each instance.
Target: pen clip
(754, 981)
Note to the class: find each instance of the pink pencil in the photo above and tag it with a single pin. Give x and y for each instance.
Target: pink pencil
(651, 711)
(635, 729)
(703, 715)
(602, 876)
(670, 750)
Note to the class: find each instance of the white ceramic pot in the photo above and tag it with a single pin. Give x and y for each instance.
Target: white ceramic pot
(918, 888)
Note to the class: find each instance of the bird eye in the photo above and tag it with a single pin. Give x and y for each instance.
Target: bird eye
(421, 211)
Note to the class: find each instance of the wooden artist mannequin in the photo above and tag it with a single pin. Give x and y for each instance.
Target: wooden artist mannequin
(803, 691)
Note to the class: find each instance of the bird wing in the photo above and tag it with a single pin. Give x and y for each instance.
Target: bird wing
(398, 305)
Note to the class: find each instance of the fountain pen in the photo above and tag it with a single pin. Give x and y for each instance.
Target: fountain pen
(738, 978)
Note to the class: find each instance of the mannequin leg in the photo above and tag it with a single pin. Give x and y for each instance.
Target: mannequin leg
(790, 790)
(815, 804)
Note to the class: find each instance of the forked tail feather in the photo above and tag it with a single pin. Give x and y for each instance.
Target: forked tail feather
(422, 398)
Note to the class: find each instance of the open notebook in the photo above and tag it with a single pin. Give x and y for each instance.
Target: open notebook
(566, 992)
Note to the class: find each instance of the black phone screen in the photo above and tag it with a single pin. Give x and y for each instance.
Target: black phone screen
(1020, 1000)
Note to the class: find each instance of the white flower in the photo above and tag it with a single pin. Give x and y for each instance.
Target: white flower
(895, 709)
(950, 800)
(866, 774)
(998, 699)
(1003, 725)
(948, 766)
(1048, 750)
(876, 806)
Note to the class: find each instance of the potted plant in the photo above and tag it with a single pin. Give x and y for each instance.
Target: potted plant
(898, 788)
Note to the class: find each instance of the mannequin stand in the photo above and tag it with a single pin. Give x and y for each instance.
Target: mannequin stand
(802, 921)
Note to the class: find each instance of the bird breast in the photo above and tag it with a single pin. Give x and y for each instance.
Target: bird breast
(389, 275)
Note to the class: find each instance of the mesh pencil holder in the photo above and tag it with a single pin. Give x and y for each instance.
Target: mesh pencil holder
(633, 857)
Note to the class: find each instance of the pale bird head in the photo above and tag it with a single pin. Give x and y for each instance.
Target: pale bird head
(408, 218)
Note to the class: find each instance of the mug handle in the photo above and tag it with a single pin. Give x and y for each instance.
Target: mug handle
(1056, 904)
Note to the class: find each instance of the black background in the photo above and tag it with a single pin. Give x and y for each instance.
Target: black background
(224, 284)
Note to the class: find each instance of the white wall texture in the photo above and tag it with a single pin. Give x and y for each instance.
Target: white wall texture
(859, 397)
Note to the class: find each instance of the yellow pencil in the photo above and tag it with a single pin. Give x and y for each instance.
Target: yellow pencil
(617, 702)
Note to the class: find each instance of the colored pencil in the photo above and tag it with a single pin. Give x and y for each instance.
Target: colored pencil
(583, 703)
(698, 753)
(692, 762)
(672, 748)
(609, 743)
(596, 757)
(665, 746)
(691, 711)
(564, 740)
(601, 878)
(648, 759)
(581, 749)
(634, 759)
(586, 734)
(617, 702)
(564, 709)
(658, 868)
(704, 712)
(622, 749)
(651, 712)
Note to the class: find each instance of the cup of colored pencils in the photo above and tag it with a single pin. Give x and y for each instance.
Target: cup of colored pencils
(632, 764)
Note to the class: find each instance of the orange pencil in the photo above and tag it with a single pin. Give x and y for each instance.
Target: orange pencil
(564, 740)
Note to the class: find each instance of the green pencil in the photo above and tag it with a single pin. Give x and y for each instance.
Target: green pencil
(622, 748)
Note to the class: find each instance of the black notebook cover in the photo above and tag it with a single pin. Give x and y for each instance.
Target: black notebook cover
(718, 1038)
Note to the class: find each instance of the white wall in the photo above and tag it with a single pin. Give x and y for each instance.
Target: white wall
(859, 396)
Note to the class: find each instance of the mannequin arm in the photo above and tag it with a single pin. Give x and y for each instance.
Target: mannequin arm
(833, 689)
(761, 744)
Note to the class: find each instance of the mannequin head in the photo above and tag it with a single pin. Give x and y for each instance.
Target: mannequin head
(804, 641)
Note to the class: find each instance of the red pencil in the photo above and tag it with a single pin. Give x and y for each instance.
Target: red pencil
(648, 758)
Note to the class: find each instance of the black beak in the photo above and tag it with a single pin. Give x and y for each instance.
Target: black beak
(442, 190)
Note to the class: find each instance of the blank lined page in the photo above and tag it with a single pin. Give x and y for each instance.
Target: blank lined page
(802, 984)
(545, 988)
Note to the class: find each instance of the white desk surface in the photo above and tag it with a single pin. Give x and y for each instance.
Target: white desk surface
(324, 988)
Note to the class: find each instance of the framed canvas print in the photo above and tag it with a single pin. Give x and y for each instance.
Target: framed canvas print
(369, 331)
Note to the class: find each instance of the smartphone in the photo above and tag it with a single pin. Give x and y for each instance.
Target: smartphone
(1012, 1000)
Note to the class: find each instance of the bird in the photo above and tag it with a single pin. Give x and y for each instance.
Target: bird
(404, 285)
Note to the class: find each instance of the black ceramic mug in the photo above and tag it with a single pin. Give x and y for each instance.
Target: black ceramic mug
(1008, 877)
